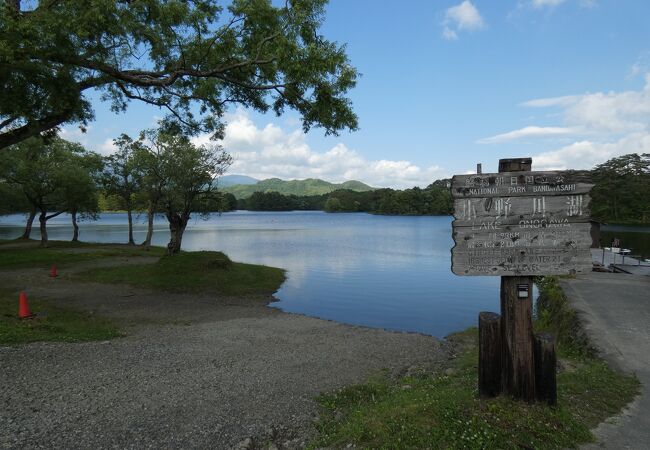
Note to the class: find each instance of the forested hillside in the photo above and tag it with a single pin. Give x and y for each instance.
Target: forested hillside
(435, 199)
(310, 186)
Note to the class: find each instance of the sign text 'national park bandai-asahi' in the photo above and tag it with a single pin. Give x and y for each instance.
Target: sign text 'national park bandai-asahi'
(521, 223)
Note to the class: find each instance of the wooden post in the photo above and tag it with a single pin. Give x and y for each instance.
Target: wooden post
(518, 369)
(489, 354)
(518, 376)
(545, 368)
(515, 165)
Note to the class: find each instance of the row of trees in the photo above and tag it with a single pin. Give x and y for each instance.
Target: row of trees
(159, 172)
(50, 178)
(435, 199)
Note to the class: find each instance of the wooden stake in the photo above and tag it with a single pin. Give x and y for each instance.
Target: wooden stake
(518, 369)
(489, 354)
(545, 367)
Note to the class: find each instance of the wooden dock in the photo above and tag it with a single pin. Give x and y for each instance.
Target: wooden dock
(620, 263)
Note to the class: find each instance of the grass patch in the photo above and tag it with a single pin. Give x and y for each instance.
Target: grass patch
(444, 411)
(555, 315)
(194, 272)
(53, 323)
(61, 253)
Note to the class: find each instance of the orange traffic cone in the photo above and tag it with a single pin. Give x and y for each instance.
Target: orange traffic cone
(53, 273)
(23, 307)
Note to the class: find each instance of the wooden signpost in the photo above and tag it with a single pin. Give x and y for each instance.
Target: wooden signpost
(518, 224)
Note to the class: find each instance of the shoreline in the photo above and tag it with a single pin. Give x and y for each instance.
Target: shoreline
(194, 370)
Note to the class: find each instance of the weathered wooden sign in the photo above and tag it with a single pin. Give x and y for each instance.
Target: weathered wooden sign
(521, 223)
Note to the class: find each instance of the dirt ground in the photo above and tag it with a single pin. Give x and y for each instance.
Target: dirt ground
(192, 371)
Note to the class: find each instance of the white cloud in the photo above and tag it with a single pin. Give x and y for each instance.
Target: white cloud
(603, 125)
(462, 17)
(270, 151)
(528, 132)
(74, 134)
(586, 154)
(539, 4)
(107, 147)
(547, 102)
(640, 66)
(600, 112)
(546, 3)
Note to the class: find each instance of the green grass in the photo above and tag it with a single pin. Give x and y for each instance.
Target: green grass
(52, 323)
(194, 272)
(62, 253)
(444, 411)
(555, 315)
(189, 272)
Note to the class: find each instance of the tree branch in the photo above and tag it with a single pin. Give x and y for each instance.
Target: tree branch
(7, 122)
(46, 123)
(52, 216)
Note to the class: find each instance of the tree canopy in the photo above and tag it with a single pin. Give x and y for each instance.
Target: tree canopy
(622, 190)
(177, 176)
(192, 59)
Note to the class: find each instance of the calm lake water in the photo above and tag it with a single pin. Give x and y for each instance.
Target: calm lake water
(378, 271)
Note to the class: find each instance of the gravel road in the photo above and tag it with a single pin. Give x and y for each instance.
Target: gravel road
(192, 371)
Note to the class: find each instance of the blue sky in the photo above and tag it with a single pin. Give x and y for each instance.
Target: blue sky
(447, 84)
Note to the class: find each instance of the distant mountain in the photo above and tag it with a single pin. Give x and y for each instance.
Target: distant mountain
(231, 180)
(310, 186)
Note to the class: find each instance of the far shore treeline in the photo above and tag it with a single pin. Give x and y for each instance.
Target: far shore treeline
(435, 199)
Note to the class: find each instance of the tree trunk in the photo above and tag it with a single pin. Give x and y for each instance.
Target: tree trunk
(28, 226)
(75, 227)
(42, 219)
(147, 240)
(130, 216)
(177, 224)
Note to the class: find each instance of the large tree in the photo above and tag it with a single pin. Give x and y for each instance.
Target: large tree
(81, 189)
(149, 157)
(122, 176)
(189, 173)
(190, 58)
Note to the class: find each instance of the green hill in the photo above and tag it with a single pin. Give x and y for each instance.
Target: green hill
(310, 186)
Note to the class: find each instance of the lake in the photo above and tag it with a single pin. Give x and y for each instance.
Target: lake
(380, 271)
